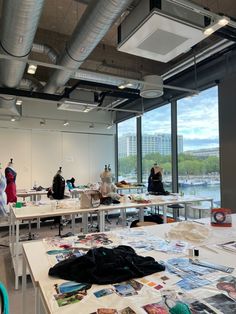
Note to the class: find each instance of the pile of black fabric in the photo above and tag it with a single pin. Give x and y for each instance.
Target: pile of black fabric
(105, 266)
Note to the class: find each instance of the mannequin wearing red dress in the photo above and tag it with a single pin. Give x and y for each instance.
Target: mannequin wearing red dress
(10, 175)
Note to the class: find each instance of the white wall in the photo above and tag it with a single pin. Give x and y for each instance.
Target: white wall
(38, 151)
(38, 154)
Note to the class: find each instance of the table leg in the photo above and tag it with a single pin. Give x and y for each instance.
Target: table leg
(123, 217)
(185, 211)
(37, 300)
(164, 214)
(101, 221)
(73, 223)
(24, 285)
(141, 214)
(85, 222)
(17, 255)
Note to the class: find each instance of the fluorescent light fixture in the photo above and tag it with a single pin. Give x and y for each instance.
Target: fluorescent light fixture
(213, 27)
(66, 123)
(13, 119)
(18, 102)
(32, 68)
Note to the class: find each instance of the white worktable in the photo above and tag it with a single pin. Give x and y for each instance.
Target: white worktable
(35, 251)
(73, 208)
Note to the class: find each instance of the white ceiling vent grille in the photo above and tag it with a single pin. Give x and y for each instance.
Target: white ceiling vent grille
(81, 101)
(158, 35)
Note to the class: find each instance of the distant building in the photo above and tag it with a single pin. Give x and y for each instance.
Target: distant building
(204, 152)
(157, 143)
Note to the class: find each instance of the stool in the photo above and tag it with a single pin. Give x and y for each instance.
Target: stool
(200, 209)
(176, 208)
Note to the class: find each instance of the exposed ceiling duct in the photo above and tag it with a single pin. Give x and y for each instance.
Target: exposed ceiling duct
(97, 19)
(18, 26)
(45, 49)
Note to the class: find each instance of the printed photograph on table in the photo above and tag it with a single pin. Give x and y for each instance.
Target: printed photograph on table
(127, 310)
(106, 311)
(70, 292)
(228, 246)
(135, 284)
(125, 290)
(190, 282)
(222, 303)
(155, 308)
(96, 238)
(103, 292)
(227, 284)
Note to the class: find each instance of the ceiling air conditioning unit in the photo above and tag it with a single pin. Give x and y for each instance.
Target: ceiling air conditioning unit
(80, 101)
(160, 30)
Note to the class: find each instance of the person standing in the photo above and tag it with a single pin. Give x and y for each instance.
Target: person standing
(3, 198)
(10, 175)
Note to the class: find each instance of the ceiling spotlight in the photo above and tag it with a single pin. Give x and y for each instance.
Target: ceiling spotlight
(213, 27)
(13, 119)
(42, 122)
(32, 68)
(86, 109)
(66, 123)
(109, 126)
(224, 21)
(125, 85)
(91, 126)
(121, 86)
(18, 102)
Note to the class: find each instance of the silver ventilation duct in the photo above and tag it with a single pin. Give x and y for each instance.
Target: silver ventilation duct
(45, 49)
(8, 106)
(92, 27)
(18, 26)
(19, 23)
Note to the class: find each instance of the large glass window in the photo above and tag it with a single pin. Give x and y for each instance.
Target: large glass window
(156, 143)
(198, 159)
(127, 151)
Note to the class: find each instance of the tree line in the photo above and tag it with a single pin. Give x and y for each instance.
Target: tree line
(187, 164)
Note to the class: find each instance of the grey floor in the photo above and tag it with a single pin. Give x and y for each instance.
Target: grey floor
(7, 271)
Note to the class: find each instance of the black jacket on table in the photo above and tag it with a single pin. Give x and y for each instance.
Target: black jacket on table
(104, 266)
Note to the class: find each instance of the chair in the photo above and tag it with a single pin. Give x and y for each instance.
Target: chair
(175, 208)
(4, 300)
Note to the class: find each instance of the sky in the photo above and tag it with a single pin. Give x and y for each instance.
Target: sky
(197, 119)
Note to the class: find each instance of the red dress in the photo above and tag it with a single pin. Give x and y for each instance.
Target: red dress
(10, 175)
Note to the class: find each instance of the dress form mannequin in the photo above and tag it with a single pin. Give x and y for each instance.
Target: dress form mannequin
(107, 188)
(155, 184)
(10, 175)
(58, 186)
(3, 197)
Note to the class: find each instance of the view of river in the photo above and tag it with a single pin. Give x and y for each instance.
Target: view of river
(208, 190)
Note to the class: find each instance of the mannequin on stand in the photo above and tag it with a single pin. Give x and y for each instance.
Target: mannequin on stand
(3, 197)
(10, 175)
